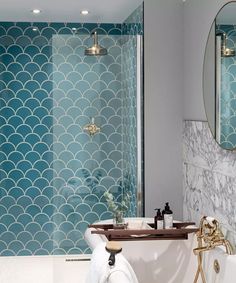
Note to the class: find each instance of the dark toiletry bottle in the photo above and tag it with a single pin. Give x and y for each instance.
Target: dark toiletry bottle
(168, 217)
(158, 220)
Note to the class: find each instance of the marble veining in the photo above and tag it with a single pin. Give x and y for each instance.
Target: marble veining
(201, 150)
(209, 178)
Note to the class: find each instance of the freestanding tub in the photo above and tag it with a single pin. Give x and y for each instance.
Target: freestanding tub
(43, 269)
(173, 261)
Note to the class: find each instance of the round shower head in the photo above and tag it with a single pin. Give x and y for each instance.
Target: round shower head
(227, 52)
(96, 49)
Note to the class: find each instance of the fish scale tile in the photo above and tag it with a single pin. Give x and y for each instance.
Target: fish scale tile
(48, 91)
(53, 174)
(228, 90)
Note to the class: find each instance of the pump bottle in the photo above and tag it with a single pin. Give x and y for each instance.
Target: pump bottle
(168, 217)
(158, 220)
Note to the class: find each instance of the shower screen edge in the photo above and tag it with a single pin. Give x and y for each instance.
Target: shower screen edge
(140, 193)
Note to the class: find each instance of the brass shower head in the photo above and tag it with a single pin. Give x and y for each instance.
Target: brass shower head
(96, 49)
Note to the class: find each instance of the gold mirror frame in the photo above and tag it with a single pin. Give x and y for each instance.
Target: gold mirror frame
(217, 45)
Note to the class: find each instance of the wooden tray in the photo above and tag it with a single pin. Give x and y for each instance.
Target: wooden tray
(178, 232)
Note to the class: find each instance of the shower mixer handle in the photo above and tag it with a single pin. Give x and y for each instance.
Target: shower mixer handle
(92, 128)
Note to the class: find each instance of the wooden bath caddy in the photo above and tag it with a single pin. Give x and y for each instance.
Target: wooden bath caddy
(178, 232)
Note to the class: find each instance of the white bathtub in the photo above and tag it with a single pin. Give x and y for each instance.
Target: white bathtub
(173, 261)
(43, 269)
(164, 261)
(167, 261)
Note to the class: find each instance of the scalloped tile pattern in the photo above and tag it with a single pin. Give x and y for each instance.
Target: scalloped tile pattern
(228, 90)
(53, 174)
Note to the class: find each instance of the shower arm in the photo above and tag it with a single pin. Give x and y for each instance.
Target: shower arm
(225, 35)
(95, 38)
(223, 39)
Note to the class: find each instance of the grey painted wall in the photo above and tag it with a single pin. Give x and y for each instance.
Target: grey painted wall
(163, 30)
(179, 33)
(198, 17)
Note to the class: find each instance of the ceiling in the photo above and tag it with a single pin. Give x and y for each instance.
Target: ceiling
(101, 11)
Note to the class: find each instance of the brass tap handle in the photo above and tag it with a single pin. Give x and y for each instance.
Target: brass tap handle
(211, 235)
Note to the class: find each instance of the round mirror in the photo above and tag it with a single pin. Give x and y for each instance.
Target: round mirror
(219, 77)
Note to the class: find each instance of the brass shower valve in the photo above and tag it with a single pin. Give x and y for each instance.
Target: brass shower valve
(92, 128)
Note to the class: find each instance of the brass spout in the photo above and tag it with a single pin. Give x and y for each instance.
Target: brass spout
(196, 251)
(225, 243)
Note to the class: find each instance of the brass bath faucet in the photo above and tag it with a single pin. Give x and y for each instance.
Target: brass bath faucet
(209, 236)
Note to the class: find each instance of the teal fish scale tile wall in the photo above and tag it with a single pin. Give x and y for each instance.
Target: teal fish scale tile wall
(228, 91)
(53, 174)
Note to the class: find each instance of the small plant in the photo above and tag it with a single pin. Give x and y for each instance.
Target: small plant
(117, 207)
